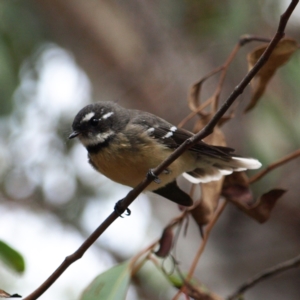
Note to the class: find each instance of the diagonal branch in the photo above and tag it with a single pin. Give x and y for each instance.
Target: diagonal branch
(287, 265)
(201, 249)
(208, 129)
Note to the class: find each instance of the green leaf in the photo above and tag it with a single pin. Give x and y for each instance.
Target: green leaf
(178, 281)
(11, 257)
(110, 285)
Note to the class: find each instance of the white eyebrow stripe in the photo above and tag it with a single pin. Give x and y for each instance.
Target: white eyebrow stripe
(88, 116)
(107, 115)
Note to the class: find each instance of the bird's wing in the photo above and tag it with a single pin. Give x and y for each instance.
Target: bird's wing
(219, 160)
(172, 137)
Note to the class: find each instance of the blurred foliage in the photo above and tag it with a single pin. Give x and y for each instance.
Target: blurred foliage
(111, 285)
(11, 257)
(205, 22)
(20, 35)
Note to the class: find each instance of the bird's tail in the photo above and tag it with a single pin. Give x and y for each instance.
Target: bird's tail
(212, 168)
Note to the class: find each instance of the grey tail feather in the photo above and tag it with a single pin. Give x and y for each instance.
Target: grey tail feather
(214, 169)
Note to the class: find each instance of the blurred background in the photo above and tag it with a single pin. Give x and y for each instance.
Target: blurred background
(56, 56)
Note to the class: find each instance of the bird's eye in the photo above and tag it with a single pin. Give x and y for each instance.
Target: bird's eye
(94, 122)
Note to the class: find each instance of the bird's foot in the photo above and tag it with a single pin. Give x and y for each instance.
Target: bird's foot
(166, 171)
(153, 177)
(119, 209)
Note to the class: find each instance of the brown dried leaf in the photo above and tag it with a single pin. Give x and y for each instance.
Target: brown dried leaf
(6, 295)
(204, 212)
(281, 54)
(194, 93)
(216, 138)
(205, 119)
(236, 189)
(211, 191)
(165, 243)
(261, 210)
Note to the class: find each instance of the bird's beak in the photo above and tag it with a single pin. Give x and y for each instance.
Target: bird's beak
(74, 134)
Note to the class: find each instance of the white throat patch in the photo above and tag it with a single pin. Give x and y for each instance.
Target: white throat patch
(92, 140)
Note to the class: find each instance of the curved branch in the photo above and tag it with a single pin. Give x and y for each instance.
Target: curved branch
(287, 265)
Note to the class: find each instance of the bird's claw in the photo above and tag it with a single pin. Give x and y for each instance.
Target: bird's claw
(119, 209)
(154, 177)
(166, 171)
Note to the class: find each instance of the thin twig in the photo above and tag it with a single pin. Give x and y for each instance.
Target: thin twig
(213, 99)
(223, 69)
(208, 129)
(226, 65)
(194, 113)
(271, 272)
(136, 267)
(208, 229)
(275, 165)
(196, 87)
(252, 38)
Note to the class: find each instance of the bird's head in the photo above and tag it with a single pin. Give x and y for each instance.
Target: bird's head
(96, 123)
